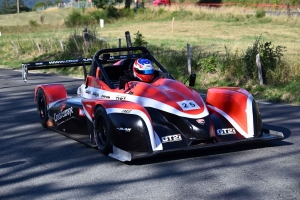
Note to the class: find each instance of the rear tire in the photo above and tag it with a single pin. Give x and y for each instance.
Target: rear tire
(42, 107)
(102, 131)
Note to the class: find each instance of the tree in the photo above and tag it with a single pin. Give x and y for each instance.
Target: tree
(39, 5)
(6, 7)
(23, 7)
(10, 6)
(127, 4)
(106, 3)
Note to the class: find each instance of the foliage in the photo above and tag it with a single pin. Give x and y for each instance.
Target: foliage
(75, 45)
(208, 64)
(260, 13)
(139, 40)
(40, 4)
(77, 18)
(106, 3)
(33, 23)
(271, 58)
(232, 68)
(10, 6)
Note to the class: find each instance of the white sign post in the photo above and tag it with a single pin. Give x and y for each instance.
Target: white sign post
(101, 23)
(0, 33)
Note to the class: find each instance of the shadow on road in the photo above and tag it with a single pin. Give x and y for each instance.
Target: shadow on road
(219, 150)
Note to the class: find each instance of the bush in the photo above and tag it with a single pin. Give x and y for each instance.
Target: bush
(74, 19)
(208, 64)
(75, 45)
(260, 13)
(112, 12)
(271, 59)
(33, 23)
(98, 14)
(139, 40)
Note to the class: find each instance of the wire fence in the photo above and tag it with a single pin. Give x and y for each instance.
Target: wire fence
(80, 4)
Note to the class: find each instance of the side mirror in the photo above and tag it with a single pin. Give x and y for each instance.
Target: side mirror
(192, 80)
(122, 82)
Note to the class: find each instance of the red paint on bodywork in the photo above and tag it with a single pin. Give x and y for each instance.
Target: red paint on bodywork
(90, 105)
(232, 101)
(53, 92)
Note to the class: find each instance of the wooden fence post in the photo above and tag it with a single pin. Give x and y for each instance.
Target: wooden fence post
(189, 59)
(85, 36)
(38, 46)
(62, 45)
(288, 10)
(258, 63)
(172, 25)
(15, 47)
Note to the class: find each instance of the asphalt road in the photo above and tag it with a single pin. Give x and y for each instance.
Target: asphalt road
(36, 163)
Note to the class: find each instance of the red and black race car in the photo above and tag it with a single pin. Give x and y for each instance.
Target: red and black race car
(129, 119)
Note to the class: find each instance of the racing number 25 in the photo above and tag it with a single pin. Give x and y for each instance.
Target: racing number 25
(188, 105)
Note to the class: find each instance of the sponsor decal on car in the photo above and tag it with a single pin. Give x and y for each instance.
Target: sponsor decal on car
(226, 131)
(62, 114)
(171, 138)
(124, 129)
(105, 97)
(68, 61)
(201, 121)
(120, 97)
(126, 111)
(132, 85)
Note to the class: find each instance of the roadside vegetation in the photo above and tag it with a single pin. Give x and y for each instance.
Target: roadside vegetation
(224, 43)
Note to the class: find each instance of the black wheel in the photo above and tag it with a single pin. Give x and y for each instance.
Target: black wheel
(102, 131)
(42, 107)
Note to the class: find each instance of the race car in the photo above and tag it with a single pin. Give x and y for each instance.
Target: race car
(129, 119)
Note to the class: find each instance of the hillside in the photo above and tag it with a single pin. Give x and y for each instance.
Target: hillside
(31, 3)
(28, 3)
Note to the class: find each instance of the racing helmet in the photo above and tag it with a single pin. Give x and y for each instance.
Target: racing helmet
(143, 70)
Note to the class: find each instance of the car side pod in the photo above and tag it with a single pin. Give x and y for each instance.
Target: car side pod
(238, 112)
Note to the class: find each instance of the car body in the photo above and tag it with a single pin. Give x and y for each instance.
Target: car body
(128, 119)
(161, 2)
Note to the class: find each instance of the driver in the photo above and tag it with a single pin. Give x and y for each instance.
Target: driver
(143, 70)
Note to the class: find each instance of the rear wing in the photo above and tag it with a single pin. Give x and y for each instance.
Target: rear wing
(55, 64)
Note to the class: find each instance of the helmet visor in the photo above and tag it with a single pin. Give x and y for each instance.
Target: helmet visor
(147, 71)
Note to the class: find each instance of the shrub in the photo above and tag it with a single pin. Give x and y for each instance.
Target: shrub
(76, 46)
(74, 19)
(112, 12)
(139, 40)
(208, 64)
(97, 15)
(271, 59)
(260, 13)
(33, 23)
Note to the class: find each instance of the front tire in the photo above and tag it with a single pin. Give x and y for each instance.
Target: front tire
(42, 107)
(102, 131)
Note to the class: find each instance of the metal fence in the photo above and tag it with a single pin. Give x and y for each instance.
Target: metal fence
(80, 4)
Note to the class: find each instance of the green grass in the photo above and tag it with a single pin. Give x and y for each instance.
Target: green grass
(208, 31)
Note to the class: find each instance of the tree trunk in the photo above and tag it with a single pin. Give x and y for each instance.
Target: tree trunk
(127, 4)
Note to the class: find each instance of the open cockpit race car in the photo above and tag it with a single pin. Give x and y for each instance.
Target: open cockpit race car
(129, 119)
